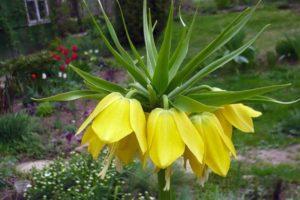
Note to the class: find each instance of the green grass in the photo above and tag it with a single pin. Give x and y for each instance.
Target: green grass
(207, 27)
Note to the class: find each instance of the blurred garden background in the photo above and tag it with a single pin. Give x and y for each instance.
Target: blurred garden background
(40, 156)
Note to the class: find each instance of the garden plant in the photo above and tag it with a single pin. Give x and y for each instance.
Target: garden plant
(167, 112)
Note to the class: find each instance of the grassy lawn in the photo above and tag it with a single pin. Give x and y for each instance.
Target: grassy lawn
(283, 22)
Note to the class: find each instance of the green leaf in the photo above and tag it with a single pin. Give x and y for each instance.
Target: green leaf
(219, 98)
(271, 100)
(214, 66)
(73, 95)
(135, 72)
(98, 82)
(161, 73)
(229, 32)
(187, 104)
(181, 50)
(150, 47)
(133, 48)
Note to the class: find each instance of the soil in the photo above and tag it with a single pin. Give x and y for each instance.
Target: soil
(288, 155)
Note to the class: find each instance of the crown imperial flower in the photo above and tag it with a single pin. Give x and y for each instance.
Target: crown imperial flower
(186, 117)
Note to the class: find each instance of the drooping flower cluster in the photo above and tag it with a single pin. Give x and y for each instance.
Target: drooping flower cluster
(204, 140)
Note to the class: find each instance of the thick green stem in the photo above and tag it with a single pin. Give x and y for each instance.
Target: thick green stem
(163, 195)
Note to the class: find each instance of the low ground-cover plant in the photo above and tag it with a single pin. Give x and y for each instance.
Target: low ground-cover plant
(78, 178)
(44, 109)
(18, 134)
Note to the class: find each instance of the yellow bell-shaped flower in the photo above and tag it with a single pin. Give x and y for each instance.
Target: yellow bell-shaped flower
(237, 115)
(218, 145)
(117, 117)
(169, 133)
(119, 123)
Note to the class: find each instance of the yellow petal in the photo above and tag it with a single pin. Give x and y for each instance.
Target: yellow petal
(94, 143)
(151, 123)
(87, 136)
(127, 148)
(167, 144)
(227, 127)
(239, 117)
(196, 166)
(251, 112)
(217, 155)
(112, 124)
(106, 101)
(138, 123)
(189, 134)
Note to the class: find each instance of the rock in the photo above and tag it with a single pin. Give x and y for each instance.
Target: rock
(28, 166)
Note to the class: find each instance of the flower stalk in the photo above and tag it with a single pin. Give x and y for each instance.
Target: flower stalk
(163, 194)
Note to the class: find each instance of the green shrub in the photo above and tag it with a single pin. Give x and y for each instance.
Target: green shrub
(133, 10)
(44, 109)
(78, 178)
(222, 4)
(14, 127)
(291, 125)
(289, 48)
(18, 135)
(247, 58)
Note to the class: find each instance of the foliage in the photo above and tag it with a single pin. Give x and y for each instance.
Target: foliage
(132, 11)
(18, 134)
(78, 178)
(289, 48)
(44, 109)
(6, 169)
(14, 127)
(222, 4)
(247, 58)
(291, 126)
(271, 58)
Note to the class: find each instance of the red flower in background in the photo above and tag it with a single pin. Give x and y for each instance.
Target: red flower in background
(74, 48)
(61, 48)
(62, 68)
(56, 57)
(74, 56)
(68, 60)
(65, 52)
(33, 76)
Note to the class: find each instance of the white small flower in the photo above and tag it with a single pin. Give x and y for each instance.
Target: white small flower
(91, 51)
(44, 76)
(64, 75)
(86, 53)
(47, 174)
(96, 50)
(59, 74)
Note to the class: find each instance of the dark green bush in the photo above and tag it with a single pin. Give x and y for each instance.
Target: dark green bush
(14, 127)
(247, 58)
(222, 4)
(18, 134)
(289, 48)
(133, 13)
